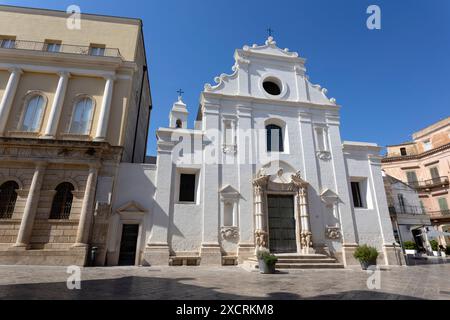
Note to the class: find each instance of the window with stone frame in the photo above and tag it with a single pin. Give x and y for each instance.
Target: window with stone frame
(62, 201)
(321, 138)
(411, 177)
(356, 194)
(8, 197)
(33, 113)
(187, 187)
(275, 141)
(82, 116)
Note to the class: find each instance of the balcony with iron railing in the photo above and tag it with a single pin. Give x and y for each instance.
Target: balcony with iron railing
(59, 48)
(430, 183)
(439, 214)
(406, 210)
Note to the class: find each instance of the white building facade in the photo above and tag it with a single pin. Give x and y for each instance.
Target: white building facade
(264, 167)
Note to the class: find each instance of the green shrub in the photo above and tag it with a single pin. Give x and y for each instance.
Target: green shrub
(410, 245)
(268, 258)
(434, 245)
(447, 251)
(366, 253)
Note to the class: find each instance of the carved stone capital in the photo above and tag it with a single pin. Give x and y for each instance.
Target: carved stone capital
(229, 149)
(324, 155)
(230, 233)
(306, 239)
(260, 238)
(333, 232)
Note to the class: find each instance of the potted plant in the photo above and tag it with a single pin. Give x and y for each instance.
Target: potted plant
(442, 250)
(366, 255)
(266, 261)
(410, 247)
(434, 247)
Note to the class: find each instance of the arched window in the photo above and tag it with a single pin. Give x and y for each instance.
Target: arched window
(8, 196)
(179, 124)
(82, 115)
(34, 111)
(62, 202)
(274, 135)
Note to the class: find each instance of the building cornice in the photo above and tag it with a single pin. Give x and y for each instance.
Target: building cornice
(206, 98)
(416, 156)
(64, 14)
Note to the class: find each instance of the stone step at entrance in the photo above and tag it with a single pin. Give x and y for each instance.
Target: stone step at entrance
(298, 261)
(307, 261)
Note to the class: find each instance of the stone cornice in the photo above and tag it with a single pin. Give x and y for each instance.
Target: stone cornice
(255, 100)
(416, 156)
(57, 151)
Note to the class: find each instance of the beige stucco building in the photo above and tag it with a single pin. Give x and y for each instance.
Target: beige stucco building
(74, 102)
(424, 163)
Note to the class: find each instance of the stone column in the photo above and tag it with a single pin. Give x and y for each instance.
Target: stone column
(8, 97)
(58, 101)
(235, 213)
(87, 208)
(210, 251)
(26, 225)
(305, 234)
(246, 153)
(298, 224)
(102, 126)
(260, 185)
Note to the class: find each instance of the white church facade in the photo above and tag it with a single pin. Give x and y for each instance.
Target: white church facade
(264, 166)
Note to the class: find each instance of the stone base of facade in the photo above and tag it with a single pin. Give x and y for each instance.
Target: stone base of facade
(156, 255)
(210, 254)
(348, 249)
(393, 256)
(73, 256)
(245, 251)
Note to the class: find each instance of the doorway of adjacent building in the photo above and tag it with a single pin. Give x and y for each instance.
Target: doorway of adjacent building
(418, 239)
(128, 245)
(281, 224)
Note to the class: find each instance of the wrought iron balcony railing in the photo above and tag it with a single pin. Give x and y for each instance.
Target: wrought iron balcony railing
(412, 210)
(60, 48)
(430, 183)
(439, 214)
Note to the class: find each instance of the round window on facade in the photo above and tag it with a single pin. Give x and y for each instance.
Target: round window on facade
(272, 86)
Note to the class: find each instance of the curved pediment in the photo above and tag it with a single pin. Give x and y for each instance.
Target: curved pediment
(270, 48)
(257, 63)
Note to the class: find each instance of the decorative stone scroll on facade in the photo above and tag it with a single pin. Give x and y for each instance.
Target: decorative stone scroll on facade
(333, 232)
(230, 233)
(324, 155)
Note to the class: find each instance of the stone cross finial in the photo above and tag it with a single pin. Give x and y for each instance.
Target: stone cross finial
(270, 32)
(180, 93)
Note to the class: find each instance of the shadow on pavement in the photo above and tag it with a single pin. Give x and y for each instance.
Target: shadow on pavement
(150, 288)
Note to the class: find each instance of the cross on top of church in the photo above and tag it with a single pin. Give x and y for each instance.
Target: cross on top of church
(270, 31)
(180, 93)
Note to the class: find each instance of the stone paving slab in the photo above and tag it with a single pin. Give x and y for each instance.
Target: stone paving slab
(228, 283)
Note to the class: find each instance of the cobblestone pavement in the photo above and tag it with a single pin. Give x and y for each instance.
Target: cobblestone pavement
(414, 282)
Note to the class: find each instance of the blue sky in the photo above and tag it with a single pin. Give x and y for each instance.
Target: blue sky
(390, 82)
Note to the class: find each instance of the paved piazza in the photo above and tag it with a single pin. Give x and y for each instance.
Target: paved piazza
(414, 282)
